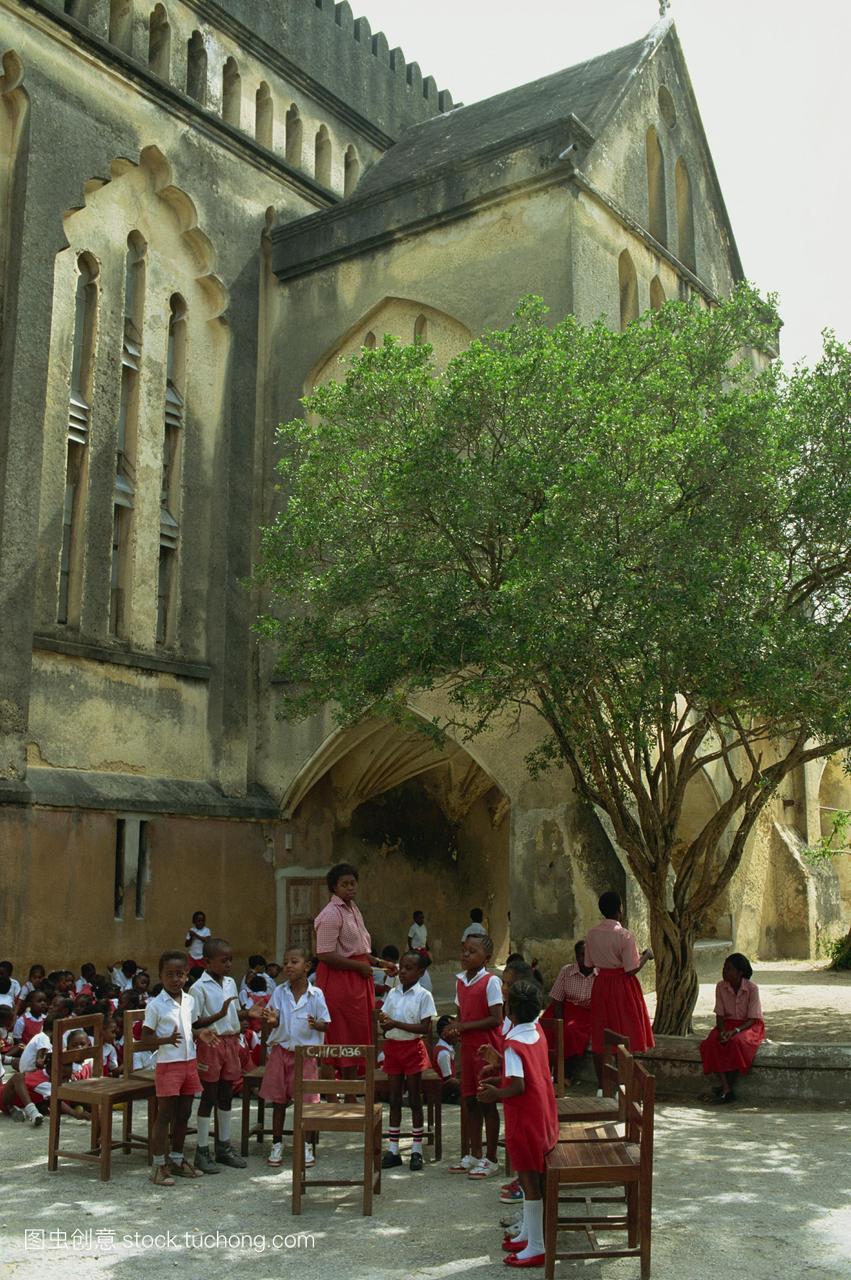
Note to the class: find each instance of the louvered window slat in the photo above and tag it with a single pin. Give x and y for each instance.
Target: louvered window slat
(78, 420)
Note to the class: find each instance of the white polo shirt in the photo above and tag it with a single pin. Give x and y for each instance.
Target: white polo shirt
(271, 984)
(163, 1015)
(408, 1006)
(417, 935)
(209, 995)
(196, 946)
(494, 991)
(27, 1060)
(293, 1027)
(523, 1033)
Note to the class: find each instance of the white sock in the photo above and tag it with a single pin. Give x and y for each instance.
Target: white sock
(176, 1157)
(533, 1218)
(223, 1118)
(30, 1110)
(203, 1126)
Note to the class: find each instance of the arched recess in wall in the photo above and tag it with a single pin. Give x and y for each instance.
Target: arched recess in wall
(628, 288)
(657, 294)
(402, 317)
(231, 93)
(264, 116)
(352, 171)
(13, 112)
(159, 43)
(700, 804)
(322, 157)
(685, 216)
(142, 231)
(121, 24)
(196, 68)
(295, 137)
(657, 223)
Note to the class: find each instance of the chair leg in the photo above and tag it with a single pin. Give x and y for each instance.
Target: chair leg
(53, 1137)
(94, 1133)
(645, 1218)
(632, 1235)
(438, 1129)
(152, 1119)
(368, 1162)
(261, 1119)
(376, 1158)
(298, 1168)
(550, 1224)
(246, 1119)
(105, 1140)
(127, 1127)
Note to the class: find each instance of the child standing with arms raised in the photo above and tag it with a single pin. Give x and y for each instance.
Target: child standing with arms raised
(531, 1116)
(216, 1001)
(405, 1018)
(298, 1014)
(479, 1000)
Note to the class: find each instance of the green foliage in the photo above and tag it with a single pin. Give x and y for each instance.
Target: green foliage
(643, 537)
(836, 841)
(839, 952)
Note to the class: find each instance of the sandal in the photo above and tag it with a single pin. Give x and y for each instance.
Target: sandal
(160, 1176)
(184, 1170)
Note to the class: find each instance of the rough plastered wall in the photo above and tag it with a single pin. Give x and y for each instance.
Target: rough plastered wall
(62, 912)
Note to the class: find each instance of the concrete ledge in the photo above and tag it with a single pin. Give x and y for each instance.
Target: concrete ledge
(782, 1071)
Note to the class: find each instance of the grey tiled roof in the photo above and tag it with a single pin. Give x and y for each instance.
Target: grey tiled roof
(587, 90)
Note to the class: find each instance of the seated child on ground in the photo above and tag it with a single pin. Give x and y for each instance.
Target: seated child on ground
(32, 1015)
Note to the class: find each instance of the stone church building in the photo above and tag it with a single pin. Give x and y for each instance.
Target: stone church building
(204, 206)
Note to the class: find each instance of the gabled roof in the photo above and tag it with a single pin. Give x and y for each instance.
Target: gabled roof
(587, 91)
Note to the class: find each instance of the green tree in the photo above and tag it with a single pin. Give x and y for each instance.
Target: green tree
(644, 537)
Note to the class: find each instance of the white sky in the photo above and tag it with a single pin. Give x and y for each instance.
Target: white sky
(773, 81)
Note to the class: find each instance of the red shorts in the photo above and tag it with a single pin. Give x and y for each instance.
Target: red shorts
(219, 1061)
(405, 1057)
(277, 1082)
(177, 1079)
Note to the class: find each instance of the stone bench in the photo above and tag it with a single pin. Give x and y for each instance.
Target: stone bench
(782, 1071)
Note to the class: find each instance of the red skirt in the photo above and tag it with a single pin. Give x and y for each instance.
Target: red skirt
(737, 1054)
(405, 1057)
(350, 999)
(617, 1004)
(576, 1029)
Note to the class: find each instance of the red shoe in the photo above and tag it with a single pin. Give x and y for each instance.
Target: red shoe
(537, 1260)
(513, 1246)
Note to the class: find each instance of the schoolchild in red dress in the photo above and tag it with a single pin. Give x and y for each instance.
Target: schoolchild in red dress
(405, 1018)
(344, 972)
(739, 1030)
(617, 1001)
(479, 1001)
(32, 1017)
(531, 1117)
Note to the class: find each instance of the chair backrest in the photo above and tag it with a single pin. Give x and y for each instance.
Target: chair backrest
(612, 1040)
(357, 1086)
(131, 1016)
(92, 1025)
(556, 1025)
(640, 1110)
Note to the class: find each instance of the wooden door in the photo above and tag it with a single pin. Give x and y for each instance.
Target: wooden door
(305, 899)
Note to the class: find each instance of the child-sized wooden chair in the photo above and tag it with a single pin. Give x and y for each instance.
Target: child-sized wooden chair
(359, 1113)
(128, 1072)
(100, 1093)
(626, 1162)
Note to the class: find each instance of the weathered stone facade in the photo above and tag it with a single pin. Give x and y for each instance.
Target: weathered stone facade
(204, 207)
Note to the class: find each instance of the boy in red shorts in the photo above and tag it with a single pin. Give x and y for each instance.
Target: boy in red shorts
(405, 1018)
(216, 1001)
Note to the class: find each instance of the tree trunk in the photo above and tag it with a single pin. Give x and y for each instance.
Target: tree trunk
(676, 976)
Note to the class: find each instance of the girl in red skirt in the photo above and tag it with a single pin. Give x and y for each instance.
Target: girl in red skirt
(344, 971)
(732, 1043)
(405, 1018)
(479, 1000)
(617, 1001)
(531, 1116)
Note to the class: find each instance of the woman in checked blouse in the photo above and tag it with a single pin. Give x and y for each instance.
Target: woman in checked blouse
(344, 972)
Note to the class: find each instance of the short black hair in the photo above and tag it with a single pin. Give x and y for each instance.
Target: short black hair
(254, 961)
(415, 955)
(128, 968)
(610, 904)
(515, 955)
(477, 915)
(390, 952)
(519, 970)
(524, 1001)
(740, 963)
(419, 913)
(212, 947)
(168, 956)
(442, 1023)
(7, 964)
(6, 1010)
(257, 983)
(336, 874)
(303, 951)
(577, 945)
(5, 985)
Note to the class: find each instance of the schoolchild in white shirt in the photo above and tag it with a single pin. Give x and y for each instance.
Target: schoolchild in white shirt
(405, 1018)
(297, 1014)
(217, 1007)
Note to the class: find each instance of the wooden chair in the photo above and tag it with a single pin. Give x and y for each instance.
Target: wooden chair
(574, 1109)
(626, 1162)
(100, 1093)
(359, 1113)
(148, 1074)
(432, 1086)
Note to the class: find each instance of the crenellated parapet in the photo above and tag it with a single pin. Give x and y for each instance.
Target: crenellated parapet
(341, 51)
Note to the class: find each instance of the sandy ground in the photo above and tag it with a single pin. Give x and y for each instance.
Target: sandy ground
(750, 1194)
